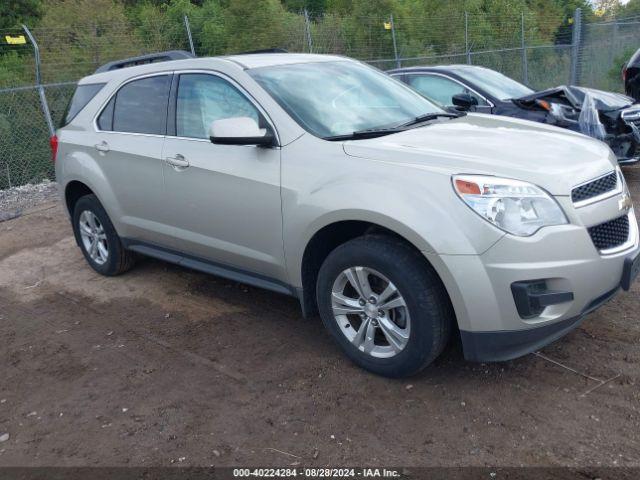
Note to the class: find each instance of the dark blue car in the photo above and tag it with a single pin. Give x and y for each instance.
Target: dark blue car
(482, 90)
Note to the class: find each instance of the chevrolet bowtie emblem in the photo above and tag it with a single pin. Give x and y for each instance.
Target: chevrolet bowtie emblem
(625, 203)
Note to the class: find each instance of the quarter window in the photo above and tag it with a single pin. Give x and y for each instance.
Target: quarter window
(441, 89)
(105, 120)
(140, 107)
(204, 98)
(81, 97)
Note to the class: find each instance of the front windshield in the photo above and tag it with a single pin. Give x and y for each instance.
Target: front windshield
(331, 99)
(494, 83)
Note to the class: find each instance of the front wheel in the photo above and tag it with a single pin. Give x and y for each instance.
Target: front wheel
(384, 305)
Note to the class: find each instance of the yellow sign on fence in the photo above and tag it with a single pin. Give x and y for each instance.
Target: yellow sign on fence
(19, 40)
(387, 25)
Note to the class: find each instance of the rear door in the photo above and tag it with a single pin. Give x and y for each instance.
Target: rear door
(224, 200)
(131, 130)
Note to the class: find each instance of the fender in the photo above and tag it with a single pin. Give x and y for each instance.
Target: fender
(81, 167)
(411, 213)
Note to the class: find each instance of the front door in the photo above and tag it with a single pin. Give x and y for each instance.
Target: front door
(224, 200)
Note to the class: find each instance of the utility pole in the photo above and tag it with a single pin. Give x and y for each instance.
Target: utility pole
(188, 28)
(525, 63)
(395, 44)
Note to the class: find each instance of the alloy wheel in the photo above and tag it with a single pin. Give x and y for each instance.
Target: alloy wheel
(371, 312)
(94, 238)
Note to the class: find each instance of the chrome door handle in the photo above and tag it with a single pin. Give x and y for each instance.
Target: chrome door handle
(102, 146)
(177, 161)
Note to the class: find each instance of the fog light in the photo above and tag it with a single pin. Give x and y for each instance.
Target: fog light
(533, 296)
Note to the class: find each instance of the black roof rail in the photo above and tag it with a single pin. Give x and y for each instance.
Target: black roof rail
(264, 50)
(144, 59)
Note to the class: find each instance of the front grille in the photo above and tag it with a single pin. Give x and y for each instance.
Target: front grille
(610, 234)
(631, 117)
(593, 189)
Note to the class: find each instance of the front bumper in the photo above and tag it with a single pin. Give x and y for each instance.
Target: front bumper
(491, 327)
(506, 345)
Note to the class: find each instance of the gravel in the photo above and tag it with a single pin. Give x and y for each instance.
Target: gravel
(14, 201)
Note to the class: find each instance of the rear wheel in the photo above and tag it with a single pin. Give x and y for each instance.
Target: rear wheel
(98, 239)
(384, 305)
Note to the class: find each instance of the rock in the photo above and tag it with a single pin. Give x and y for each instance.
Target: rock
(4, 437)
(409, 387)
(216, 453)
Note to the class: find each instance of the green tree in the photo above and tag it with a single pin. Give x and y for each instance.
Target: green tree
(15, 12)
(632, 8)
(257, 24)
(314, 7)
(160, 25)
(74, 40)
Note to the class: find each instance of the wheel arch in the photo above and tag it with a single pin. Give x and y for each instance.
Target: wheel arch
(333, 234)
(73, 191)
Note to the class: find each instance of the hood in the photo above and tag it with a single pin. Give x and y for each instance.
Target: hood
(550, 157)
(574, 97)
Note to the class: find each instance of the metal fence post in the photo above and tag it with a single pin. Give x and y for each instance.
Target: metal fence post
(395, 44)
(525, 63)
(41, 92)
(466, 37)
(576, 39)
(307, 30)
(187, 26)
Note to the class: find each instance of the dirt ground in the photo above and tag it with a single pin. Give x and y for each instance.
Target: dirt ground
(168, 366)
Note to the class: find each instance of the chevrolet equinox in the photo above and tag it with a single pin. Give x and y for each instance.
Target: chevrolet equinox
(323, 178)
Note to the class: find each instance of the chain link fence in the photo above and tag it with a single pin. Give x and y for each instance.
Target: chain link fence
(542, 51)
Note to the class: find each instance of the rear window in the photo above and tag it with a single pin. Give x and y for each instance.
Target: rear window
(82, 96)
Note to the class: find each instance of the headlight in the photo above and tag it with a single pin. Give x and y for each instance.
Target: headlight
(516, 207)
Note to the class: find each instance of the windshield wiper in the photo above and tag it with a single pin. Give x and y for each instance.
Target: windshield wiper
(430, 116)
(379, 132)
(362, 134)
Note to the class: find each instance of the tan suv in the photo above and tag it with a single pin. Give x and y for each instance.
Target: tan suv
(323, 178)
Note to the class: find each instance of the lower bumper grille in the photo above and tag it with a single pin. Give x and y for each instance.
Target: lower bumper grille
(610, 234)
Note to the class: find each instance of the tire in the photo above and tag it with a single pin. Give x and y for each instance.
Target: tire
(88, 213)
(422, 325)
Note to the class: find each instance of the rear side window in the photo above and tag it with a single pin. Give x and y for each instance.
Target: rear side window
(82, 96)
(140, 107)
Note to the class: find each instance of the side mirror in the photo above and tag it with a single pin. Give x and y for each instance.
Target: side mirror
(240, 131)
(464, 101)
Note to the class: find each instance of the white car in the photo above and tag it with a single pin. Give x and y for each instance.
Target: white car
(323, 178)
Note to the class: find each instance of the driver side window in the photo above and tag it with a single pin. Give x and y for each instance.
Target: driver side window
(203, 98)
(441, 89)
